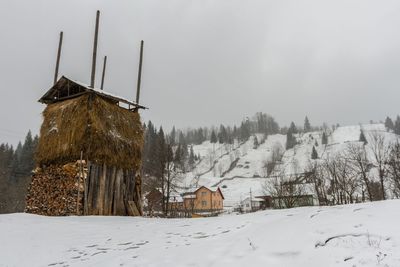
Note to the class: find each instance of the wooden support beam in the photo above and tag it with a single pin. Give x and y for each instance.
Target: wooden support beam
(80, 176)
(96, 35)
(104, 72)
(58, 57)
(139, 72)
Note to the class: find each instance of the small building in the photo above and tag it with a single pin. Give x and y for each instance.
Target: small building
(203, 200)
(250, 204)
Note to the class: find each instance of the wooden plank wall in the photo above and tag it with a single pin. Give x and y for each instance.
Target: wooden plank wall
(112, 191)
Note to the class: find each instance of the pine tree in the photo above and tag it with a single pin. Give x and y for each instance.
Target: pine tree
(292, 128)
(245, 130)
(290, 140)
(397, 125)
(161, 153)
(307, 125)
(191, 157)
(255, 142)
(16, 160)
(222, 135)
(362, 137)
(314, 154)
(182, 139)
(172, 136)
(213, 137)
(28, 149)
(324, 140)
(389, 124)
(178, 154)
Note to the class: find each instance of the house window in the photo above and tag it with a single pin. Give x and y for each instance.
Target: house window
(203, 193)
(204, 203)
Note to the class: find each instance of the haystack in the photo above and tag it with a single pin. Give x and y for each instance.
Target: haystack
(80, 120)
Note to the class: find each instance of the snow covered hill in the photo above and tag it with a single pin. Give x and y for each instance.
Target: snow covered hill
(240, 168)
(351, 235)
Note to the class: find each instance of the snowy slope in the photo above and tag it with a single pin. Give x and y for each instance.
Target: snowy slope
(237, 167)
(240, 167)
(352, 235)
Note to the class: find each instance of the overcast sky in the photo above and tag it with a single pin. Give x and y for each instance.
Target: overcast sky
(208, 62)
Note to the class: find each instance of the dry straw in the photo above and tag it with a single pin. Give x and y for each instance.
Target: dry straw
(105, 132)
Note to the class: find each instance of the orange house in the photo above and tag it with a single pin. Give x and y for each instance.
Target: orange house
(203, 199)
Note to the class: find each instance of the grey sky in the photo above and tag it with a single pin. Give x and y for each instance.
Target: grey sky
(208, 62)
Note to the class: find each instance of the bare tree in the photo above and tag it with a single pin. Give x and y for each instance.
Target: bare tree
(331, 167)
(360, 164)
(347, 181)
(286, 190)
(394, 167)
(316, 173)
(380, 152)
(276, 157)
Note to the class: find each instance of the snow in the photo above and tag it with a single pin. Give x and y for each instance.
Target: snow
(99, 91)
(241, 167)
(350, 235)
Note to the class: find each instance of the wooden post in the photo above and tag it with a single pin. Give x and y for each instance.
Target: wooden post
(96, 34)
(79, 183)
(104, 72)
(85, 201)
(139, 72)
(58, 57)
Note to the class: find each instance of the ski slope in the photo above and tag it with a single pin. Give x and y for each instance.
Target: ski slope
(352, 235)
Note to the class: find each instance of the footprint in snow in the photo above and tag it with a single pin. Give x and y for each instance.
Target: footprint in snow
(100, 252)
(103, 249)
(129, 248)
(125, 244)
(56, 263)
(142, 243)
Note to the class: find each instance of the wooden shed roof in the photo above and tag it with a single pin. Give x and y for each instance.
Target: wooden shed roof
(66, 88)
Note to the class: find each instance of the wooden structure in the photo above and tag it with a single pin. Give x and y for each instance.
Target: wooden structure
(106, 130)
(90, 148)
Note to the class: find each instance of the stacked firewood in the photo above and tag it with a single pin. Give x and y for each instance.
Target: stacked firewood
(54, 191)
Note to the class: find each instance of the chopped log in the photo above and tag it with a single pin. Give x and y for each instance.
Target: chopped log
(54, 191)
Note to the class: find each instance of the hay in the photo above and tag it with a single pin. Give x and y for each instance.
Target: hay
(105, 132)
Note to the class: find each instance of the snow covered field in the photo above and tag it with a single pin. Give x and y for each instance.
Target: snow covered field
(352, 235)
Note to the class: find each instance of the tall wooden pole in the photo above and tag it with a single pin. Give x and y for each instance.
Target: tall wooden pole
(58, 57)
(139, 72)
(96, 35)
(104, 72)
